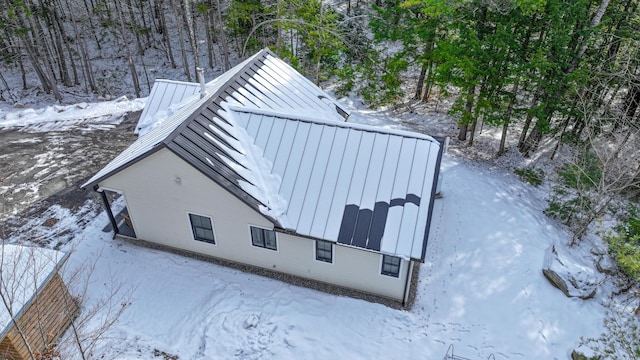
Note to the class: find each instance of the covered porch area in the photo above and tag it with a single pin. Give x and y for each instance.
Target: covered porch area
(119, 220)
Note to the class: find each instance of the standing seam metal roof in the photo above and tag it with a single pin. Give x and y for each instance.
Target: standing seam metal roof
(315, 175)
(356, 185)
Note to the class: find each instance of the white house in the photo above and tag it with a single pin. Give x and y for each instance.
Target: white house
(265, 170)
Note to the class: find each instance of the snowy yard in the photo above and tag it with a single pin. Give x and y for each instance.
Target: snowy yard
(481, 289)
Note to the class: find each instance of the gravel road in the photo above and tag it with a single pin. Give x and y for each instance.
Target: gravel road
(41, 166)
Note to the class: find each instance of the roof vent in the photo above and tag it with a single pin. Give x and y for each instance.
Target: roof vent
(339, 110)
(203, 88)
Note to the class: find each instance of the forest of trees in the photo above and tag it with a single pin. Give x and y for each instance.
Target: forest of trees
(544, 72)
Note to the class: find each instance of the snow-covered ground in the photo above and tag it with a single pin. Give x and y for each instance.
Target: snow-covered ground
(56, 117)
(480, 290)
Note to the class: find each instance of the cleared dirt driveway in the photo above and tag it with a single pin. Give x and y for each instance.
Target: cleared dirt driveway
(43, 165)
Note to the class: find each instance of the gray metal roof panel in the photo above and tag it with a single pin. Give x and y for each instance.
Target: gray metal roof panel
(341, 183)
(164, 94)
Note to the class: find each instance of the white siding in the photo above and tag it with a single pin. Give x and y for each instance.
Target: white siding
(158, 205)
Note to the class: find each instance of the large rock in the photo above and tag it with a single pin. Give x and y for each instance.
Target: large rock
(606, 265)
(568, 275)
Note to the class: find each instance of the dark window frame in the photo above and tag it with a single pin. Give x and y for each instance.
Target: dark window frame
(389, 266)
(200, 230)
(321, 253)
(263, 238)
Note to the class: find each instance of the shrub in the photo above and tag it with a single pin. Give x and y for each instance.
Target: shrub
(584, 174)
(567, 206)
(621, 339)
(624, 244)
(534, 177)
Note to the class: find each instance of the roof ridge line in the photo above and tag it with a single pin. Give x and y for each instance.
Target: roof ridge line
(176, 82)
(320, 121)
(216, 94)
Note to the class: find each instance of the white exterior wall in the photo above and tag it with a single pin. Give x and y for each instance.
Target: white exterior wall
(351, 267)
(159, 205)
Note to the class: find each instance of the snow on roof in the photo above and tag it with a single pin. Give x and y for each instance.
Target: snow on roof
(315, 175)
(353, 184)
(261, 81)
(24, 271)
(166, 96)
(147, 144)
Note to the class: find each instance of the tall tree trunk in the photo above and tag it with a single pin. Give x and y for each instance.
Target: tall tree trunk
(319, 46)
(30, 41)
(420, 83)
(81, 45)
(507, 121)
(632, 102)
(33, 42)
(528, 119)
(584, 41)
(12, 98)
(132, 67)
(565, 123)
(193, 39)
(42, 48)
(63, 35)
(143, 11)
(56, 36)
(162, 20)
(533, 140)
(133, 26)
(224, 43)
(208, 29)
(462, 133)
(89, 11)
(185, 61)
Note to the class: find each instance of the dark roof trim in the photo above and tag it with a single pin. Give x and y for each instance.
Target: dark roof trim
(293, 233)
(215, 97)
(226, 185)
(442, 141)
(116, 170)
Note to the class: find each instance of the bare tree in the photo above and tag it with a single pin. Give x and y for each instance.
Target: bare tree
(25, 274)
(188, 17)
(123, 34)
(596, 175)
(95, 322)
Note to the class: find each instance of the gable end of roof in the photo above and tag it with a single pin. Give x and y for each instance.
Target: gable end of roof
(95, 181)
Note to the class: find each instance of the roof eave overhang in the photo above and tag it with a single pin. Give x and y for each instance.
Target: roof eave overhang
(294, 233)
(95, 182)
(434, 187)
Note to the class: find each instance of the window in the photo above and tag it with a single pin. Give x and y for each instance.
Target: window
(202, 228)
(263, 238)
(390, 265)
(324, 251)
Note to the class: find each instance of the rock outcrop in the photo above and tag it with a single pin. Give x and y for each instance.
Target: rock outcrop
(572, 278)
